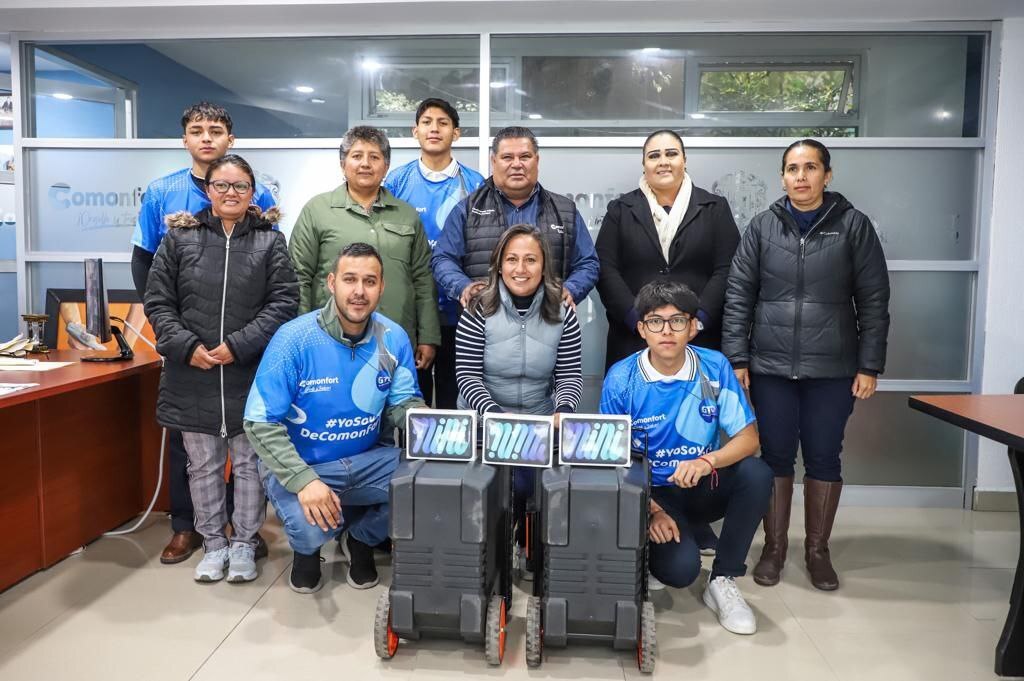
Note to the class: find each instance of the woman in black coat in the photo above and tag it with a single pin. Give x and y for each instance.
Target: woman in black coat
(667, 229)
(670, 229)
(806, 322)
(220, 286)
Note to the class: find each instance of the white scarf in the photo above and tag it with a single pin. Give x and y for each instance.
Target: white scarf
(667, 224)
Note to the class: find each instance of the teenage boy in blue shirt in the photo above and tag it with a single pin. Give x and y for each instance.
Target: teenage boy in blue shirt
(207, 137)
(315, 416)
(681, 396)
(433, 185)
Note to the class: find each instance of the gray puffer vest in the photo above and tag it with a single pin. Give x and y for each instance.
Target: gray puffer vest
(519, 357)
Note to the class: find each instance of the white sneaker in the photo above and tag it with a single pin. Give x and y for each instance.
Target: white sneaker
(211, 567)
(242, 563)
(653, 583)
(725, 600)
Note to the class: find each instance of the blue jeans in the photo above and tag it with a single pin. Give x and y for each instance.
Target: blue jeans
(741, 498)
(810, 414)
(360, 481)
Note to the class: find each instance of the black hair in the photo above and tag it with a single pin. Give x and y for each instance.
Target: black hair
(823, 153)
(662, 292)
(358, 249)
(435, 103)
(663, 131)
(489, 299)
(205, 111)
(231, 160)
(369, 134)
(513, 132)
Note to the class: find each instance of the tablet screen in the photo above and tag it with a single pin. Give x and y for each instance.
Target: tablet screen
(594, 440)
(441, 435)
(514, 440)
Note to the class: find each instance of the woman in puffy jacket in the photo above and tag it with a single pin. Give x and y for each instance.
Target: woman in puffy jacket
(220, 286)
(805, 327)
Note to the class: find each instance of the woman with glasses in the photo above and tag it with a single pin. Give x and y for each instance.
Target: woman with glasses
(220, 286)
(671, 230)
(517, 347)
(806, 321)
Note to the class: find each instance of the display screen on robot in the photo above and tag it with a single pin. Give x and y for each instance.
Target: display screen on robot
(516, 440)
(594, 440)
(440, 435)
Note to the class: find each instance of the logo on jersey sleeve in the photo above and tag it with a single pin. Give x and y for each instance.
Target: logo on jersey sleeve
(708, 410)
(383, 381)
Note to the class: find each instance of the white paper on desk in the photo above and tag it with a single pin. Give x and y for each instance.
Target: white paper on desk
(7, 388)
(38, 366)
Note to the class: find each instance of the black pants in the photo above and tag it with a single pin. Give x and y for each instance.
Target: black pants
(438, 382)
(741, 498)
(810, 413)
(182, 512)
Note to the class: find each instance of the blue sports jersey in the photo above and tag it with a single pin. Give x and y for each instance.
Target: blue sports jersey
(173, 193)
(682, 417)
(331, 396)
(433, 202)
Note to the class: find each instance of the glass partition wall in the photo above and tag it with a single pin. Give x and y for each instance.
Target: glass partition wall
(904, 114)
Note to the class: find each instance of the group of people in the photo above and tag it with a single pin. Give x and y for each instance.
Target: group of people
(298, 360)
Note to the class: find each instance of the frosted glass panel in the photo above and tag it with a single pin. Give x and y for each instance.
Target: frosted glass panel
(88, 199)
(44, 275)
(929, 337)
(888, 443)
(9, 322)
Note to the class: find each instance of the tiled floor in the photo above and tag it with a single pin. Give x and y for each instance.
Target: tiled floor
(924, 596)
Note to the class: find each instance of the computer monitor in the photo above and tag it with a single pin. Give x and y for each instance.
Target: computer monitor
(594, 440)
(519, 440)
(440, 434)
(97, 316)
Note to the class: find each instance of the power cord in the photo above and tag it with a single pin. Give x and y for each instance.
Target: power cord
(163, 444)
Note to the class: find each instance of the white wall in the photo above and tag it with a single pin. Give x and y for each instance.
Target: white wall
(1004, 327)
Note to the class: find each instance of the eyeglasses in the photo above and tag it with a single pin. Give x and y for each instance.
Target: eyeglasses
(221, 187)
(656, 324)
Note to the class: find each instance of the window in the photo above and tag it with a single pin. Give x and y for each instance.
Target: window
(777, 88)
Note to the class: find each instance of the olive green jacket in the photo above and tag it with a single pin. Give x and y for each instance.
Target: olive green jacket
(333, 220)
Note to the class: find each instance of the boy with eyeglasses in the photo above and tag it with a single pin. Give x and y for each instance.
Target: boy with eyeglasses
(207, 137)
(679, 397)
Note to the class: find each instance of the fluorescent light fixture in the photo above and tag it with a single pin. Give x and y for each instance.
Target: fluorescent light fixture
(698, 116)
(943, 115)
(498, 84)
(650, 50)
(304, 89)
(371, 64)
(62, 95)
(535, 117)
(317, 100)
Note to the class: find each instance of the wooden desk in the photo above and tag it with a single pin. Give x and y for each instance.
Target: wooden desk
(79, 456)
(999, 418)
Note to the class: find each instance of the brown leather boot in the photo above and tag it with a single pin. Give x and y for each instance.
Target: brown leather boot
(776, 534)
(821, 499)
(181, 547)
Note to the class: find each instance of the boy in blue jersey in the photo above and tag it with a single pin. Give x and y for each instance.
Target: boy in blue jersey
(433, 185)
(207, 137)
(314, 416)
(679, 397)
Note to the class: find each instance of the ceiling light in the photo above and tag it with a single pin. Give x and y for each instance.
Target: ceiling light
(535, 117)
(317, 100)
(62, 95)
(304, 89)
(498, 84)
(371, 64)
(943, 115)
(650, 50)
(698, 115)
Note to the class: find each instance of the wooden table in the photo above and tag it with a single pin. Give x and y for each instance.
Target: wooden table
(79, 456)
(999, 418)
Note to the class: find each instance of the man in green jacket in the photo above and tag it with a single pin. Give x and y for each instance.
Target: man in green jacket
(361, 210)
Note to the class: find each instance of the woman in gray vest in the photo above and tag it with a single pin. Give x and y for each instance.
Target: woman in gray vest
(517, 347)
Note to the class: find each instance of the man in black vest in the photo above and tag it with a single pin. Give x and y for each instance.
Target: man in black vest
(511, 196)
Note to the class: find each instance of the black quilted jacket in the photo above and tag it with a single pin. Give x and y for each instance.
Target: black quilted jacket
(811, 307)
(206, 288)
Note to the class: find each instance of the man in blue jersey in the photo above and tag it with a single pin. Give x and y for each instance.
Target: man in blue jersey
(314, 415)
(679, 397)
(207, 137)
(433, 185)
